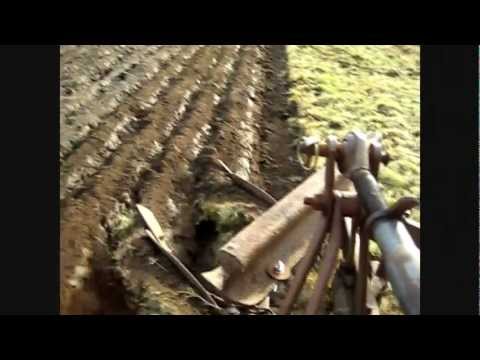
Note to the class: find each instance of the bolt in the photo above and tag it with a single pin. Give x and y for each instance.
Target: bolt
(279, 268)
(279, 271)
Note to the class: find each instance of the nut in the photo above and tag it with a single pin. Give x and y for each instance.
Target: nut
(279, 271)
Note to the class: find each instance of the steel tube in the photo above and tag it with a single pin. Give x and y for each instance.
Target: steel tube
(368, 191)
(402, 257)
(402, 262)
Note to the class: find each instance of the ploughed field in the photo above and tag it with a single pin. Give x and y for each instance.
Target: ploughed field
(139, 124)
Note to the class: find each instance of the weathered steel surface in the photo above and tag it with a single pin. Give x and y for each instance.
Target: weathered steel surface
(304, 267)
(294, 228)
(281, 233)
(402, 262)
(413, 228)
(329, 261)
(150, 221)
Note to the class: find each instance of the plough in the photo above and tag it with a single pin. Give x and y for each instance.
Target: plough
(282, 245)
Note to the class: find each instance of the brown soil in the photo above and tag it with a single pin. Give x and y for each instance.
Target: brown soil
(138, 124)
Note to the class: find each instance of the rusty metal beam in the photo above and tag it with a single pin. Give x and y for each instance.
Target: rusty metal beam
(329, 261)
(303, 268)
(282, 233)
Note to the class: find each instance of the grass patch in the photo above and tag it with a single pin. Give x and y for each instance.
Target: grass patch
(374, 250)
(149, 297)
(339, 88)
(217, 223)
(122, 224)
(227, 216)
(389, 304)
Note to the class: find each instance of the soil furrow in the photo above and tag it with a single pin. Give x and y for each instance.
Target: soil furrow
(118, 82)
(85, 97)
(86, 68)
(279, 164)
(75, 128)
(66, 50)
(235, 136)
(108, 137)
(172, 179)
(79, 240)
(166, 189)
(246, 112)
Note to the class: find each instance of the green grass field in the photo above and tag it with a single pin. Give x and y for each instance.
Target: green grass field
(339, 88)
